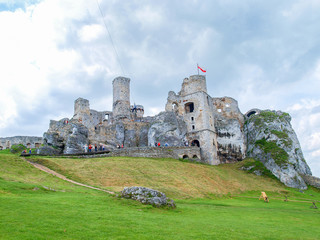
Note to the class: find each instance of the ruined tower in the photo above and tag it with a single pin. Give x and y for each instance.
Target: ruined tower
(121, 98)
(195, 105)
(81, 107)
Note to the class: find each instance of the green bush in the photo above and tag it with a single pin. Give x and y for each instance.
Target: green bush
(17, 148)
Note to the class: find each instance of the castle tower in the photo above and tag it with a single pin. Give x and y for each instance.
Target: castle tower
(195, 83)
(81, 107)
(195, 106)
(121, 98)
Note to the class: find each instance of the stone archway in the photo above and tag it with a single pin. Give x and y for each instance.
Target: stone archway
(195, 143)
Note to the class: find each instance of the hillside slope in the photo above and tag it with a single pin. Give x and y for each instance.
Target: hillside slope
(175, 178)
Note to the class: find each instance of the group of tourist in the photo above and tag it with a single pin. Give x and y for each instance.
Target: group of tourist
(25, 151)
(91, 148)
(158, 144)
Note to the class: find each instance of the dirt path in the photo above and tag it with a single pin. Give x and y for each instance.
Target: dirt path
(48, 170)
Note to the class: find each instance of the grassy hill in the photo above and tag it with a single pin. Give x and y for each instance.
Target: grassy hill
(37, 205)
(175, 178)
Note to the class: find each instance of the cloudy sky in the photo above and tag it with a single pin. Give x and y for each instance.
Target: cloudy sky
(265, 54)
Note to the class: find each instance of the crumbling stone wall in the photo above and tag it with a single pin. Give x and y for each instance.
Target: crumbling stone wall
(28, 141)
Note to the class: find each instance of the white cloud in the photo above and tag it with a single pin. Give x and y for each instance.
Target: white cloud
(300, 8)
(91, 32)
(149, 17)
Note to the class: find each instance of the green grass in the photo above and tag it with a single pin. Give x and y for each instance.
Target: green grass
(30, 211)
(178, 179)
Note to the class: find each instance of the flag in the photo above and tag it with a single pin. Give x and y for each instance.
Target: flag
(202, 69)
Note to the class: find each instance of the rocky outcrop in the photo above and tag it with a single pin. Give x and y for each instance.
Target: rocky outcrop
(77, 138)
(272, 141)
(147, 196)
(229, 123)
(168, 128)
(311, 180)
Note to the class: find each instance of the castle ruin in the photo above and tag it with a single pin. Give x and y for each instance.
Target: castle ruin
(191, 118)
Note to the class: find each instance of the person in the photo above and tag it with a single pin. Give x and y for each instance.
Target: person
(103, 148)
(159, 144)
(29, 150)
(155, 144)
(166, 144)
(122, 146)
(85, 148)
(100, 147)
(95, 148)
(90, 147)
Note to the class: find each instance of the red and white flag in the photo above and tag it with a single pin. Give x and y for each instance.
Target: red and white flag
(202, 69)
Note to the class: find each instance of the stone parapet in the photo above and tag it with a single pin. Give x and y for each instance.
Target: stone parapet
(159, 152)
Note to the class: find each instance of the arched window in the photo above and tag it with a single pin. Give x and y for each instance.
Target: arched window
(189, 107)
(195, 143)
(251, 113)
(175, 107)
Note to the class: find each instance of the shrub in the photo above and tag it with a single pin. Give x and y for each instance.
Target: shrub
(17, 148)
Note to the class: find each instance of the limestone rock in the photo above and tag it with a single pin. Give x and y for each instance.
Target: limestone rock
(311, 180)
(272, 141)
(147, 196)
(231, 140)
(169, 128)
(77, 139)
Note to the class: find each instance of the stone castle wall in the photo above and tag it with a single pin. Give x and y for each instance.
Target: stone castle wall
(30, 142)
(155, 152)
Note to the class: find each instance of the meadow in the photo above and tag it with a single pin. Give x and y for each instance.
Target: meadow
(213, 202)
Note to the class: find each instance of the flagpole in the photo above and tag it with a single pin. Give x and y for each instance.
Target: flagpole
(198, 68)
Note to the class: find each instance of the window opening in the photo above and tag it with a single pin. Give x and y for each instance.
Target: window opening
(189, 107)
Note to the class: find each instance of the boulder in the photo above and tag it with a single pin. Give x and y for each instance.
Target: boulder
(272, 141)
(147, 196)
(76, 139)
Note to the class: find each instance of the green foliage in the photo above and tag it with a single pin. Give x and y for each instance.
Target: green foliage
(255, 165)
(5, 151)
(280, 134)
(17, 148)
(267, 116)
(283, 136)
(279, 155)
